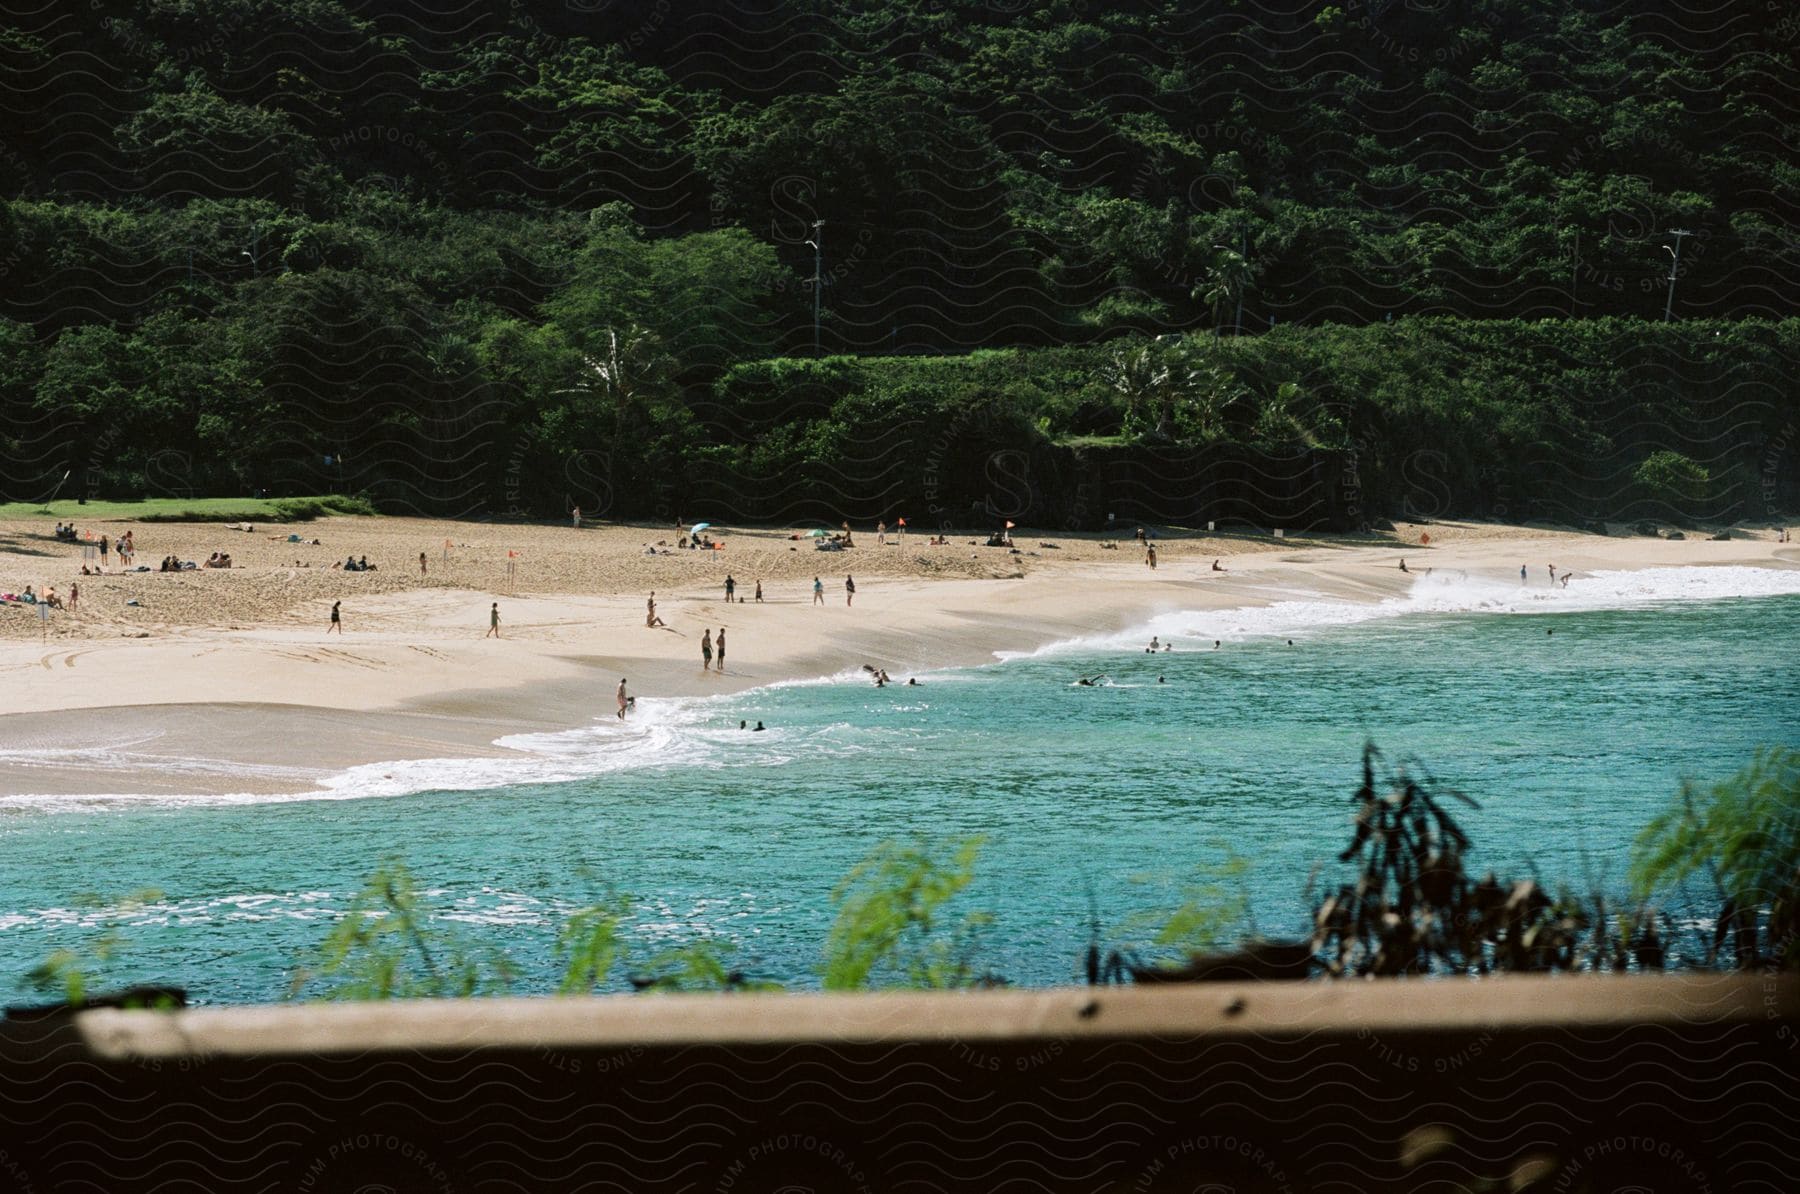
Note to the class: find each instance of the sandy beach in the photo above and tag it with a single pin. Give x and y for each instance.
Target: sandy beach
(226, 680)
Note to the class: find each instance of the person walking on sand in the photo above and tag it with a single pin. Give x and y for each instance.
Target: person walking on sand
(421, 565)
(721, 650)
(849, 591)
(818, 591)
(759, 592)
(337, 621)
(706, 651)
(623, 699)
(493, 621)
(730, 588)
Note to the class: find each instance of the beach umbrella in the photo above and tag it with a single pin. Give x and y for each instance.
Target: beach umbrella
(700, 526)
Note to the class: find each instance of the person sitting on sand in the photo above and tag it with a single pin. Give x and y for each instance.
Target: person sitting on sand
(1403, 564)
(651, 621)
(51, 599)
(363, 565)
(1216, 567)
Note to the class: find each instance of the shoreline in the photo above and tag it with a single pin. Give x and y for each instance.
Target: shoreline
(188, 711)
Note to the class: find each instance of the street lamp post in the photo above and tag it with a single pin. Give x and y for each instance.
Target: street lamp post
(818, 248)
(1674, 267)
(1244, 258)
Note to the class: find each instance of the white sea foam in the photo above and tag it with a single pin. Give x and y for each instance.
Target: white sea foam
(1449, 592)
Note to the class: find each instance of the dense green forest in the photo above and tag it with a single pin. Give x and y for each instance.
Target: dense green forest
(498, 258)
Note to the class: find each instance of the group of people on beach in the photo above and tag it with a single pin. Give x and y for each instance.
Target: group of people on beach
(1555, 580)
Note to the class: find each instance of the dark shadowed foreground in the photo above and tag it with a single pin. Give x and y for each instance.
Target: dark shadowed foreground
(1516, 1083)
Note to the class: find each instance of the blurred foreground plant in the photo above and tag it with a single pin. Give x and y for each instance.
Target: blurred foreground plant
(73, 974)
(386, 947)
(1743, 834)
(889, 921)
(1412, 908)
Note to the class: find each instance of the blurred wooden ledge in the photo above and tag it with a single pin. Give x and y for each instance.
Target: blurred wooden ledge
(1514, 1004)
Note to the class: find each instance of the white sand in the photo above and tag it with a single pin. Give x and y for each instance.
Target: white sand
(236, 666)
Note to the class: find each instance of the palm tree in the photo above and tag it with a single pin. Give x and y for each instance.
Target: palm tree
(1228, 275)
(1154, 376)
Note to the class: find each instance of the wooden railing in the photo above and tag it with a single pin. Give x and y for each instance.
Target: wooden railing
(1680, 1083)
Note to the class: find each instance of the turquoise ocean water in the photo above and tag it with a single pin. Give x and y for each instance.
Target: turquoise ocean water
(1569, 740)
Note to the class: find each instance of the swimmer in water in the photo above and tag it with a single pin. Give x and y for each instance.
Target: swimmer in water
(1091, 681)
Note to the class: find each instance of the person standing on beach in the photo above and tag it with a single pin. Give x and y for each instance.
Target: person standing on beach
(575, 517)
(623, 699)
(818, 591)
(706, 651)
(1552, 568)
(849, 591)
(881, 533)
(759, 591)
(493, 621)
(337, 621)
(1521, 574)
(1150, 556)
(103, 550)
(721, 650)
(74, 597)
(421, 565)
(730, 588)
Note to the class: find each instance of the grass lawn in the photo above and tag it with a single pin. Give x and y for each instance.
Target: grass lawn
(190, 509)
